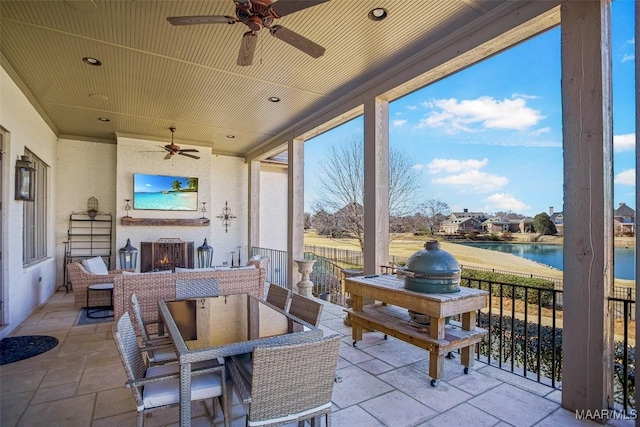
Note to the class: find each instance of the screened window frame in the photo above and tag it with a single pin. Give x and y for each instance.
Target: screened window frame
(34, 215)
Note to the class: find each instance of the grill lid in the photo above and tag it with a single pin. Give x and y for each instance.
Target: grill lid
(431, 270)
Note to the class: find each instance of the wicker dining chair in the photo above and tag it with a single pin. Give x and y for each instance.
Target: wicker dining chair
(283, 388)
(278, 296)
(158, 387)
(159, 350)
(305, 309)
(197, 288)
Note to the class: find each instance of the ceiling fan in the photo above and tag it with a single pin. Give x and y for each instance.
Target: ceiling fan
(257, 14)
(175, 149)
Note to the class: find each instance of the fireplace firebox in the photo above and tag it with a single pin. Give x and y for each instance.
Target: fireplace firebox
(166, 254)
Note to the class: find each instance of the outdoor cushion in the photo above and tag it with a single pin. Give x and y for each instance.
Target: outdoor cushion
(162, 355)
(189, 270)
(162, 393)
(95, 265)
(130, 273)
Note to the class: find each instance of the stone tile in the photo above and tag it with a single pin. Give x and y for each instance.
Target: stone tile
(354, 416)
(397, 409)
(72, 412)
(368, 339)
(474, 383)
(356, 386)
(396, 353)
(514, 405)
(555, 396)
(114, 402)
(338, 325)
(104, 327)
(18, 383)
(352, 354)
(102, 378)
(564, 418)
(56, 392)
(334, 309)
(39, 363)
(12, 406)
(452, 367)
(108, 356)
(123, 420)
(418, 385)
(375, 366)
(44, 328)
(82, 330)
(327, 332)
(34, 318)
(59, 376)
(462, 415)
(83, 344)
(516, 380)
(342, 363)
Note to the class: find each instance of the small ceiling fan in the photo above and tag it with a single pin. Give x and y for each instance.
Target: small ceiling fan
(175, 149)
(257, 14)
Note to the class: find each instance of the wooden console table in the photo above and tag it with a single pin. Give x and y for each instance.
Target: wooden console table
(438, 338)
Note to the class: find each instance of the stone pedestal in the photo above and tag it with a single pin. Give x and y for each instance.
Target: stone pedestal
(305, 267)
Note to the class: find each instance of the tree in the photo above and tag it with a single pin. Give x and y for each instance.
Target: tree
(435, 212)
(176, 185)
(341, 190)
(542, 224)
(192, 184)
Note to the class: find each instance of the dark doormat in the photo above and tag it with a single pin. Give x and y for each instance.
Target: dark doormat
(82, 318)
(13, 349)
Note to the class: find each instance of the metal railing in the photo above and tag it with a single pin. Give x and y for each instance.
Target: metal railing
(624, 356)
(277, 270)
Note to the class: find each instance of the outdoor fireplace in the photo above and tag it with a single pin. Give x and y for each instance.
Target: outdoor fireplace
(166, 254)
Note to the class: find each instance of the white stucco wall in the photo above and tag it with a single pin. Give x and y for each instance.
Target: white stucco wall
(25, 288)
(273, 207)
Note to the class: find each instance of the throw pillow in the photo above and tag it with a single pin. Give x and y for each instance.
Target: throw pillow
(95, 265)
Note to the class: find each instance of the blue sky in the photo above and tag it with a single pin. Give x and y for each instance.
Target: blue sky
(153, 183)
(489, 138)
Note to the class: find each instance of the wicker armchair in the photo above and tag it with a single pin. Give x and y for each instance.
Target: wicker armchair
(278, 296)
(158, 387)
(81, 279)
(305, 309)
(282, 388)
(159, 349)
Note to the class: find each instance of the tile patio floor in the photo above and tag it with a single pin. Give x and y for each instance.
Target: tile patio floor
(384, 383)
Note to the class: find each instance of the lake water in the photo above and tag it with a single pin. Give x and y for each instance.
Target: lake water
(552, 255)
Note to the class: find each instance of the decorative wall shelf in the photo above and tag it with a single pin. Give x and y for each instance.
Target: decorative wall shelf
(190, 222)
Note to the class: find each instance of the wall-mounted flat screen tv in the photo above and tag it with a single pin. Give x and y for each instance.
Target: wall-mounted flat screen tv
(165, 193)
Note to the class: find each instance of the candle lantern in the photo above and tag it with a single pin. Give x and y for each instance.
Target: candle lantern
(205, 255)
(128, 256)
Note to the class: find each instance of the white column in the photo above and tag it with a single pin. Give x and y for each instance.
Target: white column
(254, 205)
(588, 205)
(376, 185)
(295, 210)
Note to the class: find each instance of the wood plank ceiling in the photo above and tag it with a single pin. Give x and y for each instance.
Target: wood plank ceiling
(155, 75)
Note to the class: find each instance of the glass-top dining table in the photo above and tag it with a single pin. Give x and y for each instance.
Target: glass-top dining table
(228, 325)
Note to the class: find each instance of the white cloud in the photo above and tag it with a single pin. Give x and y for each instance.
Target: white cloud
(631, 41)
(473, 180)
(418, 167)
(628, 57)
(399, 122)
(506, 202)
(472, 115)
(627, 177)
(539, 131)
(624, 142)
(148, 185)
(524, 96)
(455, 166)
(412, 107)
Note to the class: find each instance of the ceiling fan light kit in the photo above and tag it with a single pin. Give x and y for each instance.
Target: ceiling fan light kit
(258, 14)
(173, 149)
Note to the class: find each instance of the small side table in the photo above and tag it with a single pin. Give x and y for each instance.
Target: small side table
(92, 310)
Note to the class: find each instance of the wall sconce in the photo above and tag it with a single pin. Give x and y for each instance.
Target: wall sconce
(25, 180)
(127, 208)
(128, 256)
(92, 207)
(205, 255)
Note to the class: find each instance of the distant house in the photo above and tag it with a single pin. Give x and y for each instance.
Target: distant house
(481, 216)
(624, 220)
(558, 220)
(500, 225)
(460, 225)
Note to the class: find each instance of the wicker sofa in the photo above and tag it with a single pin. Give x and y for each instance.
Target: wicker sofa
(81, 279)
(151, 287)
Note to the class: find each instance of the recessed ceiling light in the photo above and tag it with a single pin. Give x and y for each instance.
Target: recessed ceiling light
(274, 99)
(378, 14)
(91, 61)
(97, 97)
(231, 136)
(104, 119)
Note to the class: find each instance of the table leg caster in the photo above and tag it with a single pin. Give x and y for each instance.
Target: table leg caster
(450, 355)
(354, 343)
(385, 336)
(466, 369)
(434, 383)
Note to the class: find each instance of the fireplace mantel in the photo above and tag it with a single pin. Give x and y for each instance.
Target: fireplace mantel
(191, 222)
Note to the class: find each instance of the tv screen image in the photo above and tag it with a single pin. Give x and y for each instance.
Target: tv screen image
(165, 193)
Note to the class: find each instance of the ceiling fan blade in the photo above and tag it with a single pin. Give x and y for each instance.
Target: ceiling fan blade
(247, 48)
(193, 20)
(188, 155)
(168, 156)
(286, 7)
(190, 150)
(297, 41)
